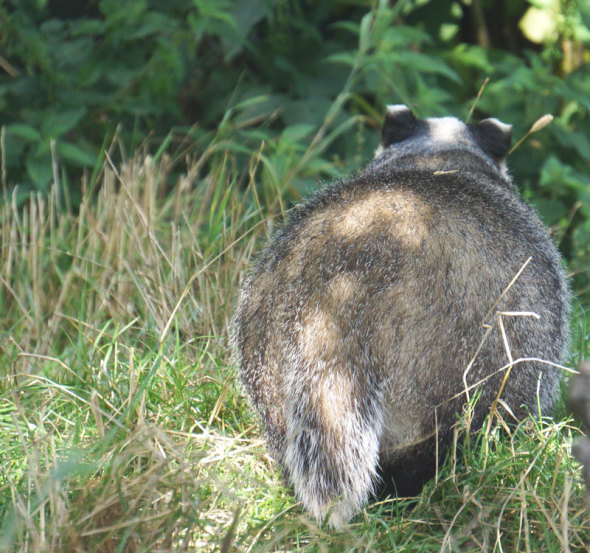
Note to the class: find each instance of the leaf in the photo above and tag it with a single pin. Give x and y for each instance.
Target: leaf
(428, 64)
(153, 24)
(75, 154)
(347, 58)
(23, 131)
(472, 56)
(207, 10)
(246, 14)
(403, 37)
(365, 32)
(550, 210)
(55, 125)
(295, 133)
(349, 26)
(123, 75)
(40, 171)
(557, 177)
(581, 236)
(311, 110)
(85, 27)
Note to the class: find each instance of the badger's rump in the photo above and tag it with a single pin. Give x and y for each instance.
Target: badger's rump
(374, 303)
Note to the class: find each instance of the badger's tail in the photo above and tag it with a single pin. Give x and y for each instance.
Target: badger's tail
(331, 452)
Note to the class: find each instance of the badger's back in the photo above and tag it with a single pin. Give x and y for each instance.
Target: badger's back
(359, 321)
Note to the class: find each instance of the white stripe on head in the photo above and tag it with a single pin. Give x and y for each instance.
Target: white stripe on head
(446, 129)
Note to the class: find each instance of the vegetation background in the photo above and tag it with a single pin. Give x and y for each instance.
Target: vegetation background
(148, 149)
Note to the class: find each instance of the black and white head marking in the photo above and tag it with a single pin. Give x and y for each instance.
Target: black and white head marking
(402, 133)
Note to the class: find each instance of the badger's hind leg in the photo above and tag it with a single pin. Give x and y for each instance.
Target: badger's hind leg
(331, 452)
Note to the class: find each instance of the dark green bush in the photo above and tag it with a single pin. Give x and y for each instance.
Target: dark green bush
(289, 74)
(75, 71)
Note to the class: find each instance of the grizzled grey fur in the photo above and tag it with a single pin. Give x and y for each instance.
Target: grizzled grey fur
(357, 324)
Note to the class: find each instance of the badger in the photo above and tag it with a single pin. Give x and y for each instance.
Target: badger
(388, 301)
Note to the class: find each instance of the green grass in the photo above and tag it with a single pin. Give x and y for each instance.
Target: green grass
(123, 427)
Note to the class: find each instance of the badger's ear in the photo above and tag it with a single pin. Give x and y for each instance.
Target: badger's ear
(399, 124)
(493, 137)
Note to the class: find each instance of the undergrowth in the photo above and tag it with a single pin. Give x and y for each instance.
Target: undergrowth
(123, 427)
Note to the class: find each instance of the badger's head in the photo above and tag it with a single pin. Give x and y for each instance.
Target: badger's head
(403, 133)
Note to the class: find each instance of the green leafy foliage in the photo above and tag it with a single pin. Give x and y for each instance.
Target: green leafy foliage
(303, 83)
(76, 73)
